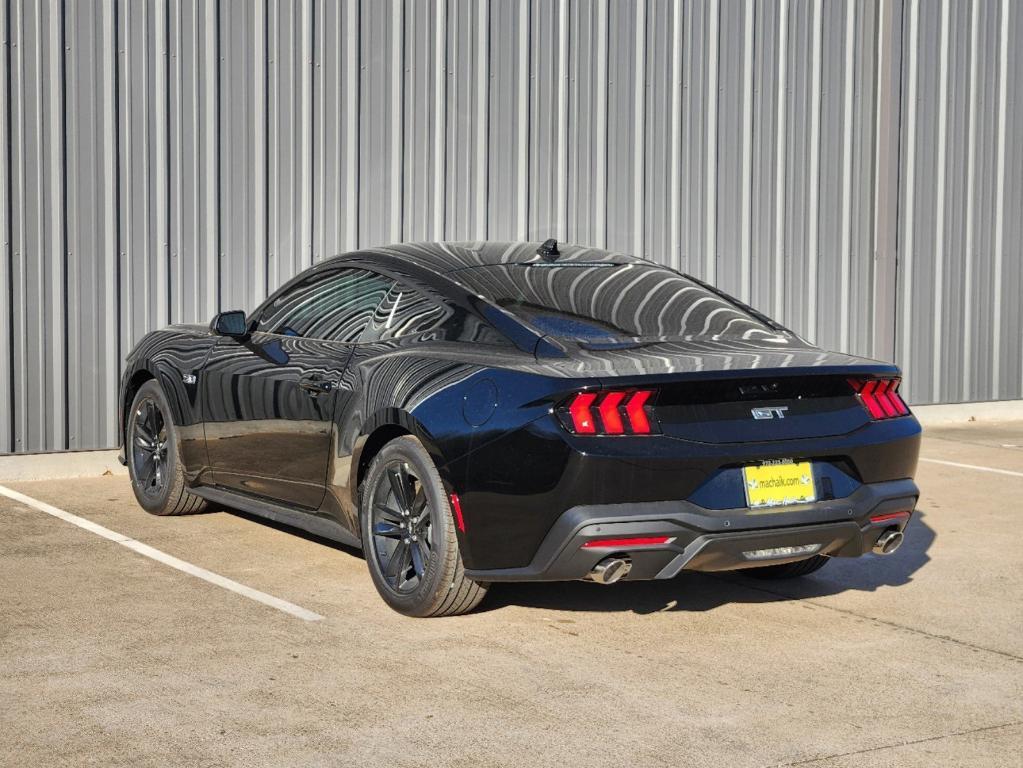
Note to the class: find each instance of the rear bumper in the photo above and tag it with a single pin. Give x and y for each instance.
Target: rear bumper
(710, 540)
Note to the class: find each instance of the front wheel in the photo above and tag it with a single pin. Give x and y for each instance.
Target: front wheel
(409, 536)
(157, 476)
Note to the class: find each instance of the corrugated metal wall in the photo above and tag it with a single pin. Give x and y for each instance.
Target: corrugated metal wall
(855, 169)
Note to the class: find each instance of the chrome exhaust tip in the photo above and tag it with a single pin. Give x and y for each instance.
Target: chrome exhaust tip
(888, 542)
(609, 570)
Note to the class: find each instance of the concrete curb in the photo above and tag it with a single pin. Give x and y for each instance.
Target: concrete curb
(56, 466)
(965, 413)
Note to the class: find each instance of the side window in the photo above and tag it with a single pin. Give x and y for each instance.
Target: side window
(332, 305)
(404, 312)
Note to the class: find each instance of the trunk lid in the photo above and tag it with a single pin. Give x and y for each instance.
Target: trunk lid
(715, 392)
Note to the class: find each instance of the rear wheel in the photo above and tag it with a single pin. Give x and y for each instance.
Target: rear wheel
(789, 570)
(157, 477)
(409, 536)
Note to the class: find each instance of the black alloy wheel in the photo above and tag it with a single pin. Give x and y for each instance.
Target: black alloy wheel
(149, 448)
(409, 535)
(402, 527)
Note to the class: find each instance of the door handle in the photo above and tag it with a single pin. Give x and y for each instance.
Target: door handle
(316, 385)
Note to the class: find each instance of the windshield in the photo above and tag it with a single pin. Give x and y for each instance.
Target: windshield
(608, 304)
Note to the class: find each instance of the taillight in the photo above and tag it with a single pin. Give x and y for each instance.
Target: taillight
(880, 397)
(579, 410)
(615, 412)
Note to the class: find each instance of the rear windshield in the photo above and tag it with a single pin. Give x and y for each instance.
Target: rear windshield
(600, 304)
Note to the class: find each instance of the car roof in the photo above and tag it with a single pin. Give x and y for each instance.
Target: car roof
(447, 257)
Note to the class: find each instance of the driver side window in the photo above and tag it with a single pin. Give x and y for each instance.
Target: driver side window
(329, 305)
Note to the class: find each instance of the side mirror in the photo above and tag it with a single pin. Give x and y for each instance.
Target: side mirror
(231, 324)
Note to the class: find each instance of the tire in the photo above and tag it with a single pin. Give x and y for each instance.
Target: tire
(789, 570)
(410, 543)
(157, 476)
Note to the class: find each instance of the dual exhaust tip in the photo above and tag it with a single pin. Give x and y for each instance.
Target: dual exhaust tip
(889, 541)
(609, 570)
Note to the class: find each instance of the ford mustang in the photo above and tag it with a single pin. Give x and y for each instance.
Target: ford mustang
(470, 413)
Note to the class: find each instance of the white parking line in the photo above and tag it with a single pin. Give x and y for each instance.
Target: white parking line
(162, 557)
(1008, 472)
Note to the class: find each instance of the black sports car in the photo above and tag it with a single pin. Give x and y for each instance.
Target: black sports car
(477, 412)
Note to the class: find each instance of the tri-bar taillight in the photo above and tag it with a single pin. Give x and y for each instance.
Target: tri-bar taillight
(880, 397)
(612, 412)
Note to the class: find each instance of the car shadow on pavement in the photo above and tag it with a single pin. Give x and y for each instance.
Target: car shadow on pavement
(290, 529)
(697, 592)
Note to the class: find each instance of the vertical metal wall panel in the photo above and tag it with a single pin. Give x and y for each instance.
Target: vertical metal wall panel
(242, 134)
(548, 37)
(289, 144)
(626, 21)
(655, 194)
(508, 197)
(424, 177)
(853, 168)
(698, 202)
(466, 115)
(335, 127)
(37, 269)
(1008, 322)
(6, 297)
(958, 331)
(799, 183)
(766, 265)
(587, 114)
(381, 115)
(193, 160)
(143, 162)
(736, 121)
(92, 292)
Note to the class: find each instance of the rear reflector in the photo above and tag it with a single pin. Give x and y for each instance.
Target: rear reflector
(628, 543)
(456, 505)
(887, 518)
(614, 412)
(880, 397)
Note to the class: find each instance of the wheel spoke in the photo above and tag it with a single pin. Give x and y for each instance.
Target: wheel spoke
(417, 559)
(424, 548)
(389, 515)
(423, 521)
(144, 444)
(419, 502)
(387, 529)
(398, 563)
(400, 485)
(398, 488)
(148, 469)
(142, 432)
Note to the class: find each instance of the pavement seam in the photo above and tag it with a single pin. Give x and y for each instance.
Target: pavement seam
(896, 745)
(884, 622)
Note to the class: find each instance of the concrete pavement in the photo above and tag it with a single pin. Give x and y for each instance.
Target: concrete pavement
(109, 658)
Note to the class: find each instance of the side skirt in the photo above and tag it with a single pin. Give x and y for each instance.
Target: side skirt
(306, 521)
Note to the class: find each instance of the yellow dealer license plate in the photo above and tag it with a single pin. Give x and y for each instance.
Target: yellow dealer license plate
(772, 485)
